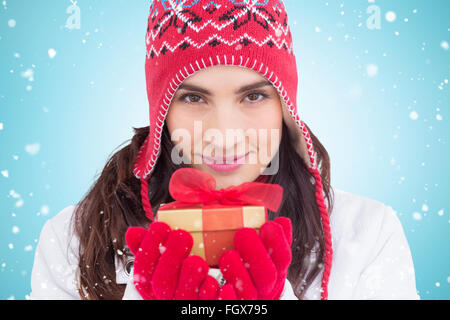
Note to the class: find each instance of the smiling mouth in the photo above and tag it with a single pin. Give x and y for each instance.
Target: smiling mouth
(226, 167)
(223, 160)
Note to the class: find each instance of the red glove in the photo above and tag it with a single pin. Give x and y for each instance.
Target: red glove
(257, 269)
(163, 269)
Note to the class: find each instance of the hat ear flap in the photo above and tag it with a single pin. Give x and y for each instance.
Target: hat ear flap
(298, 139)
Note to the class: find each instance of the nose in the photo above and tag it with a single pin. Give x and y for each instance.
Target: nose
(227, 126)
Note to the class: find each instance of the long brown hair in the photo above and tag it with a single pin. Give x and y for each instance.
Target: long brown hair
(113, 204)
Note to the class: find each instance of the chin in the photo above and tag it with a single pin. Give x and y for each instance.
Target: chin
(233, 178)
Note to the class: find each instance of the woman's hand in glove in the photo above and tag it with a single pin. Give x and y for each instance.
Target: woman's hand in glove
(257, 268)
(163, 269)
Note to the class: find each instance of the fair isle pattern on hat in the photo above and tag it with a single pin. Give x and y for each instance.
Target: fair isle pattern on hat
(186, 36)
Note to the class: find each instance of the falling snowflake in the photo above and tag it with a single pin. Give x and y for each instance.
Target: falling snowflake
(417, 216)
(444, 45)
(414, 115)
(28, 74)
(51, 53)
(372, 70)
(391, 16)
(239, 285)
(12, 23)
(19, 203)
(33, 149)
(45, 210)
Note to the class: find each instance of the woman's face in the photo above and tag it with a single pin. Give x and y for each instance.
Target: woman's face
(227, 121)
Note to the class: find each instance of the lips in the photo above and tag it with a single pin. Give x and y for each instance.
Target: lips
(223, 160)
(223, 167)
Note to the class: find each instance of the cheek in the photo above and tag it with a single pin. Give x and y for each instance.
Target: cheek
(269, 128)
(181, 129)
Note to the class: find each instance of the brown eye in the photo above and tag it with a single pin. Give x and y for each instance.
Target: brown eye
(190, 98)
(253, 97)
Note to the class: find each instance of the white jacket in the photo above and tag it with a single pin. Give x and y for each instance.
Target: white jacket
(371, 256)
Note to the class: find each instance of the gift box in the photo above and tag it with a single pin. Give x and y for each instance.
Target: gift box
(213, 226)
(213, 216)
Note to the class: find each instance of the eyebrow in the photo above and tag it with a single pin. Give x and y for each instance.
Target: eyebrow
(253, 86)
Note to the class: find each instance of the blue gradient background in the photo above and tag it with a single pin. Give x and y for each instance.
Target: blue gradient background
(84, 102)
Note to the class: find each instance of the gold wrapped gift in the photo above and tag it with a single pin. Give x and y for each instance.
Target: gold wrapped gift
(213, 226)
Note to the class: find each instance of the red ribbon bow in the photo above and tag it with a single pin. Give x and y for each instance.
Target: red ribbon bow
(189, 186)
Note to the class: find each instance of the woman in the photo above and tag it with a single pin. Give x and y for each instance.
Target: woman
(213, 66)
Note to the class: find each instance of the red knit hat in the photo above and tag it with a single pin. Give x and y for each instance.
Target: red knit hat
(186, 36)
